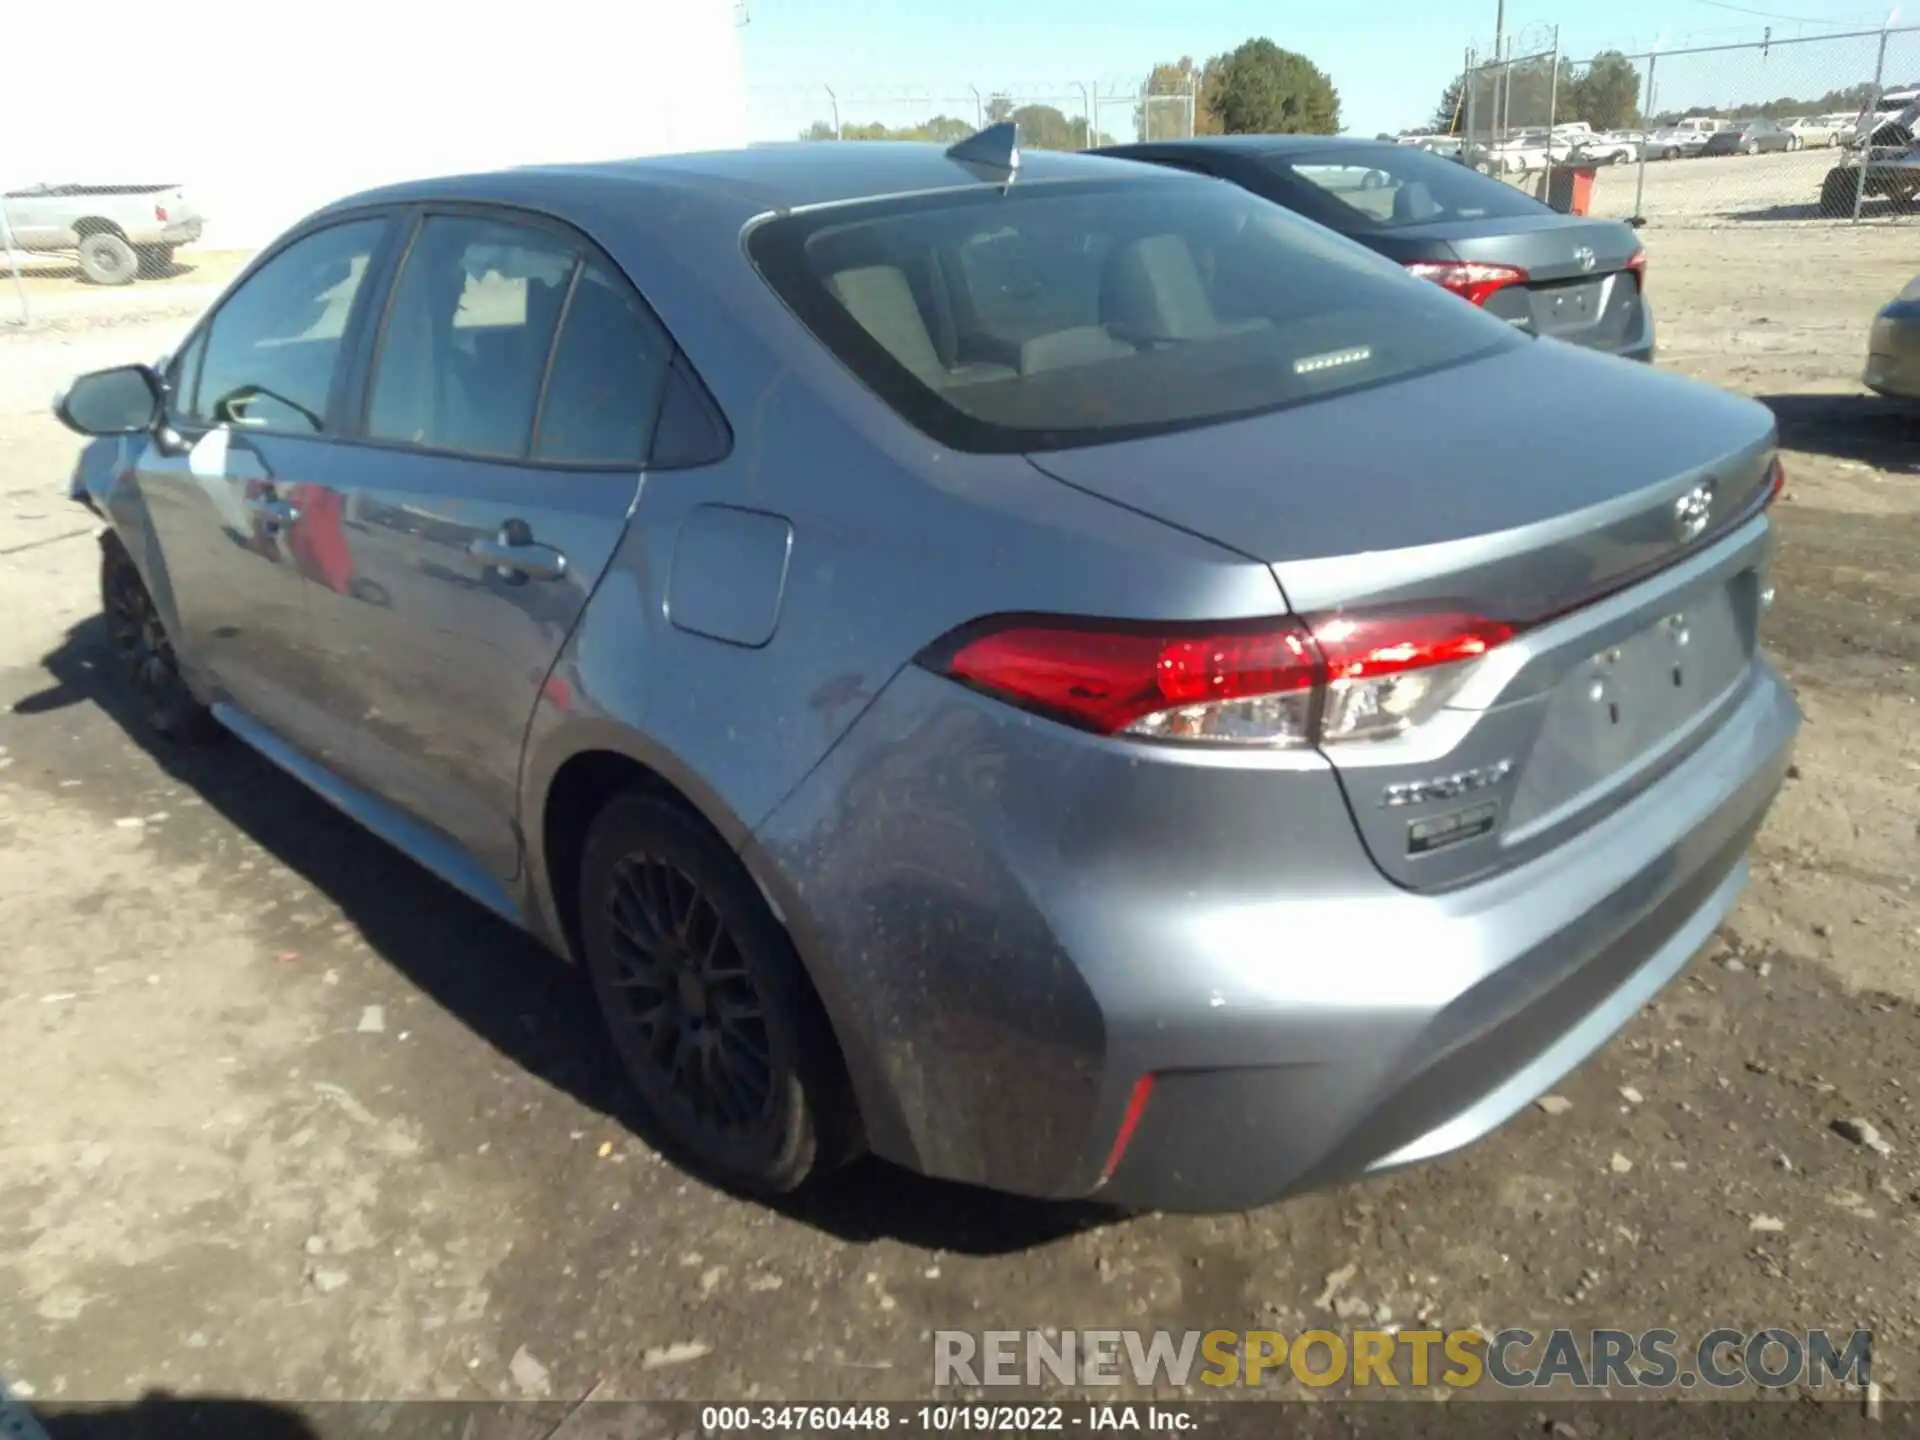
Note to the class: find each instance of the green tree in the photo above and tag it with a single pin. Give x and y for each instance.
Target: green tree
(1044, 128)
(999, 108)
(1264, 90)
(1607, 97)
(1450, 115)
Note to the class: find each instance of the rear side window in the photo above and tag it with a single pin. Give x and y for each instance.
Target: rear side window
(271, 351)
(608, 369)
(1387, 187)
(1066, 314)
(464, 349)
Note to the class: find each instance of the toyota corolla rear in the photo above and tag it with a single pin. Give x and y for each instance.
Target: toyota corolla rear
(1193, 908)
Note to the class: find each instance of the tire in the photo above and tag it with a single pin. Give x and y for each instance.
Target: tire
(1838, 192)
(155, 261)
(141, 654)
(708, 1008)
(1672, 152)
(1752, 147)
(107, 259)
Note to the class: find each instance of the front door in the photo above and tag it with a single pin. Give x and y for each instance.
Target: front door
(225, 485)
(508, 413)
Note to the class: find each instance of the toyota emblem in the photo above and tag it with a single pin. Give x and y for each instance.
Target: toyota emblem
(1584, 258)
(1692, 511)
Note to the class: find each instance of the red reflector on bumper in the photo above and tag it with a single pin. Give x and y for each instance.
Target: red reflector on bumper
(1136, 1107)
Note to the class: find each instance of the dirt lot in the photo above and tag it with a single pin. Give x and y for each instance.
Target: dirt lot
(284, 1118)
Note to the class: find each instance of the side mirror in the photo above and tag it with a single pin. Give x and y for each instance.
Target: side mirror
(122, 401)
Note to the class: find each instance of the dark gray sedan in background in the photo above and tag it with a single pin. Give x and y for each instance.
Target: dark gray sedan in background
(1054, 671)
(1751, 137)
(1565, 276)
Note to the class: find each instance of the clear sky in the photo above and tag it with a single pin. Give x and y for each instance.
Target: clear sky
(1390, 59)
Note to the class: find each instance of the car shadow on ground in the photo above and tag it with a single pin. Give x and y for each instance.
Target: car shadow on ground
(532, 1008)
(1872, 208)
(1865, 428)
(161, 1416)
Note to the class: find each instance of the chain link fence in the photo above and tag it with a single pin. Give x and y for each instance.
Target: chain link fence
(1806, 129)
(1065, 114)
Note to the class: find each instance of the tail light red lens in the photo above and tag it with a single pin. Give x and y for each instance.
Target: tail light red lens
(1472, 280)
(160, 213)
(1276, 683)
(1637, 263)
(1776, 480)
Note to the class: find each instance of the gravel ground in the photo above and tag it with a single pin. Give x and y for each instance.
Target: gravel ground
(286, 1119)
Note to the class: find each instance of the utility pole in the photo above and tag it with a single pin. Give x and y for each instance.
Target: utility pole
(1499, 53)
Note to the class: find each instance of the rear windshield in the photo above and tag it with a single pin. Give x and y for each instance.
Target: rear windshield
(1070, 313)
(1388, 187)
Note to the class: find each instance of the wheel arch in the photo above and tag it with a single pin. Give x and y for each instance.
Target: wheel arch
(569, 786)
(97, 225)
(574, 787)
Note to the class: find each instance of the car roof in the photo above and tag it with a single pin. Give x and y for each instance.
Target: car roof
(1246, 144)
(743, 183)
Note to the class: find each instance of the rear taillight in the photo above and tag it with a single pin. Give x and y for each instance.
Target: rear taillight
(160, 213)
(1472, 280)
(1278, 683)
(1776, 480)
(1637, 263)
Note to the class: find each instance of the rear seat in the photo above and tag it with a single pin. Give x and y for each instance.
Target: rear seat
(881, 300)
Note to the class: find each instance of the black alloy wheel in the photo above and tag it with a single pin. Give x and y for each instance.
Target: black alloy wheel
(709, 1009)
(142, 653)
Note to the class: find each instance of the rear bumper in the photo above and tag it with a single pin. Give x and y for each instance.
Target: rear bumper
(1011, 924)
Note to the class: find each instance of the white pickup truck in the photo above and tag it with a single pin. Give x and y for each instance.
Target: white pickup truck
(118, 231)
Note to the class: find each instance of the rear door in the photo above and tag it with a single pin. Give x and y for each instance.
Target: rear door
(508, 410)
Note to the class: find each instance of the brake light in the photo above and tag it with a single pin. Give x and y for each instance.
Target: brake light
(160, 213)
(1277, 682)
(1637, 263)
(1472, 280)
(1776, 480)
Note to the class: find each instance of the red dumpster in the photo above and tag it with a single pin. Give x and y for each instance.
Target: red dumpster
(1569, 188)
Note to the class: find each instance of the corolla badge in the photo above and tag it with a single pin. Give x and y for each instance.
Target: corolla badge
(1692, 511)
(1585, 259)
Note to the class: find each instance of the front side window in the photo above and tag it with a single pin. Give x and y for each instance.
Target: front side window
(271, 352)
(1070, 313)
(464, 348)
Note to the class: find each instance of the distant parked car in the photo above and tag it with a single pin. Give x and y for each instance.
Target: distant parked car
(1566, 276)
(1812, 130)
(1893, 347)
(1607, 149)
(1751, 137)
(1683, 140)
(118, 231)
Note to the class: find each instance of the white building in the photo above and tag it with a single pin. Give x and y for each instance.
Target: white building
(270, 110)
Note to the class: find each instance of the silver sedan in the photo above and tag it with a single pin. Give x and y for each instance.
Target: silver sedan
(1893, 347)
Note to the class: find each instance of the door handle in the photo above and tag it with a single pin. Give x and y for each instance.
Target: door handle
(273, 511)
(518, 558)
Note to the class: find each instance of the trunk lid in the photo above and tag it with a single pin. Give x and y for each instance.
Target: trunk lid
(1629, 553)
(1579, 288)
